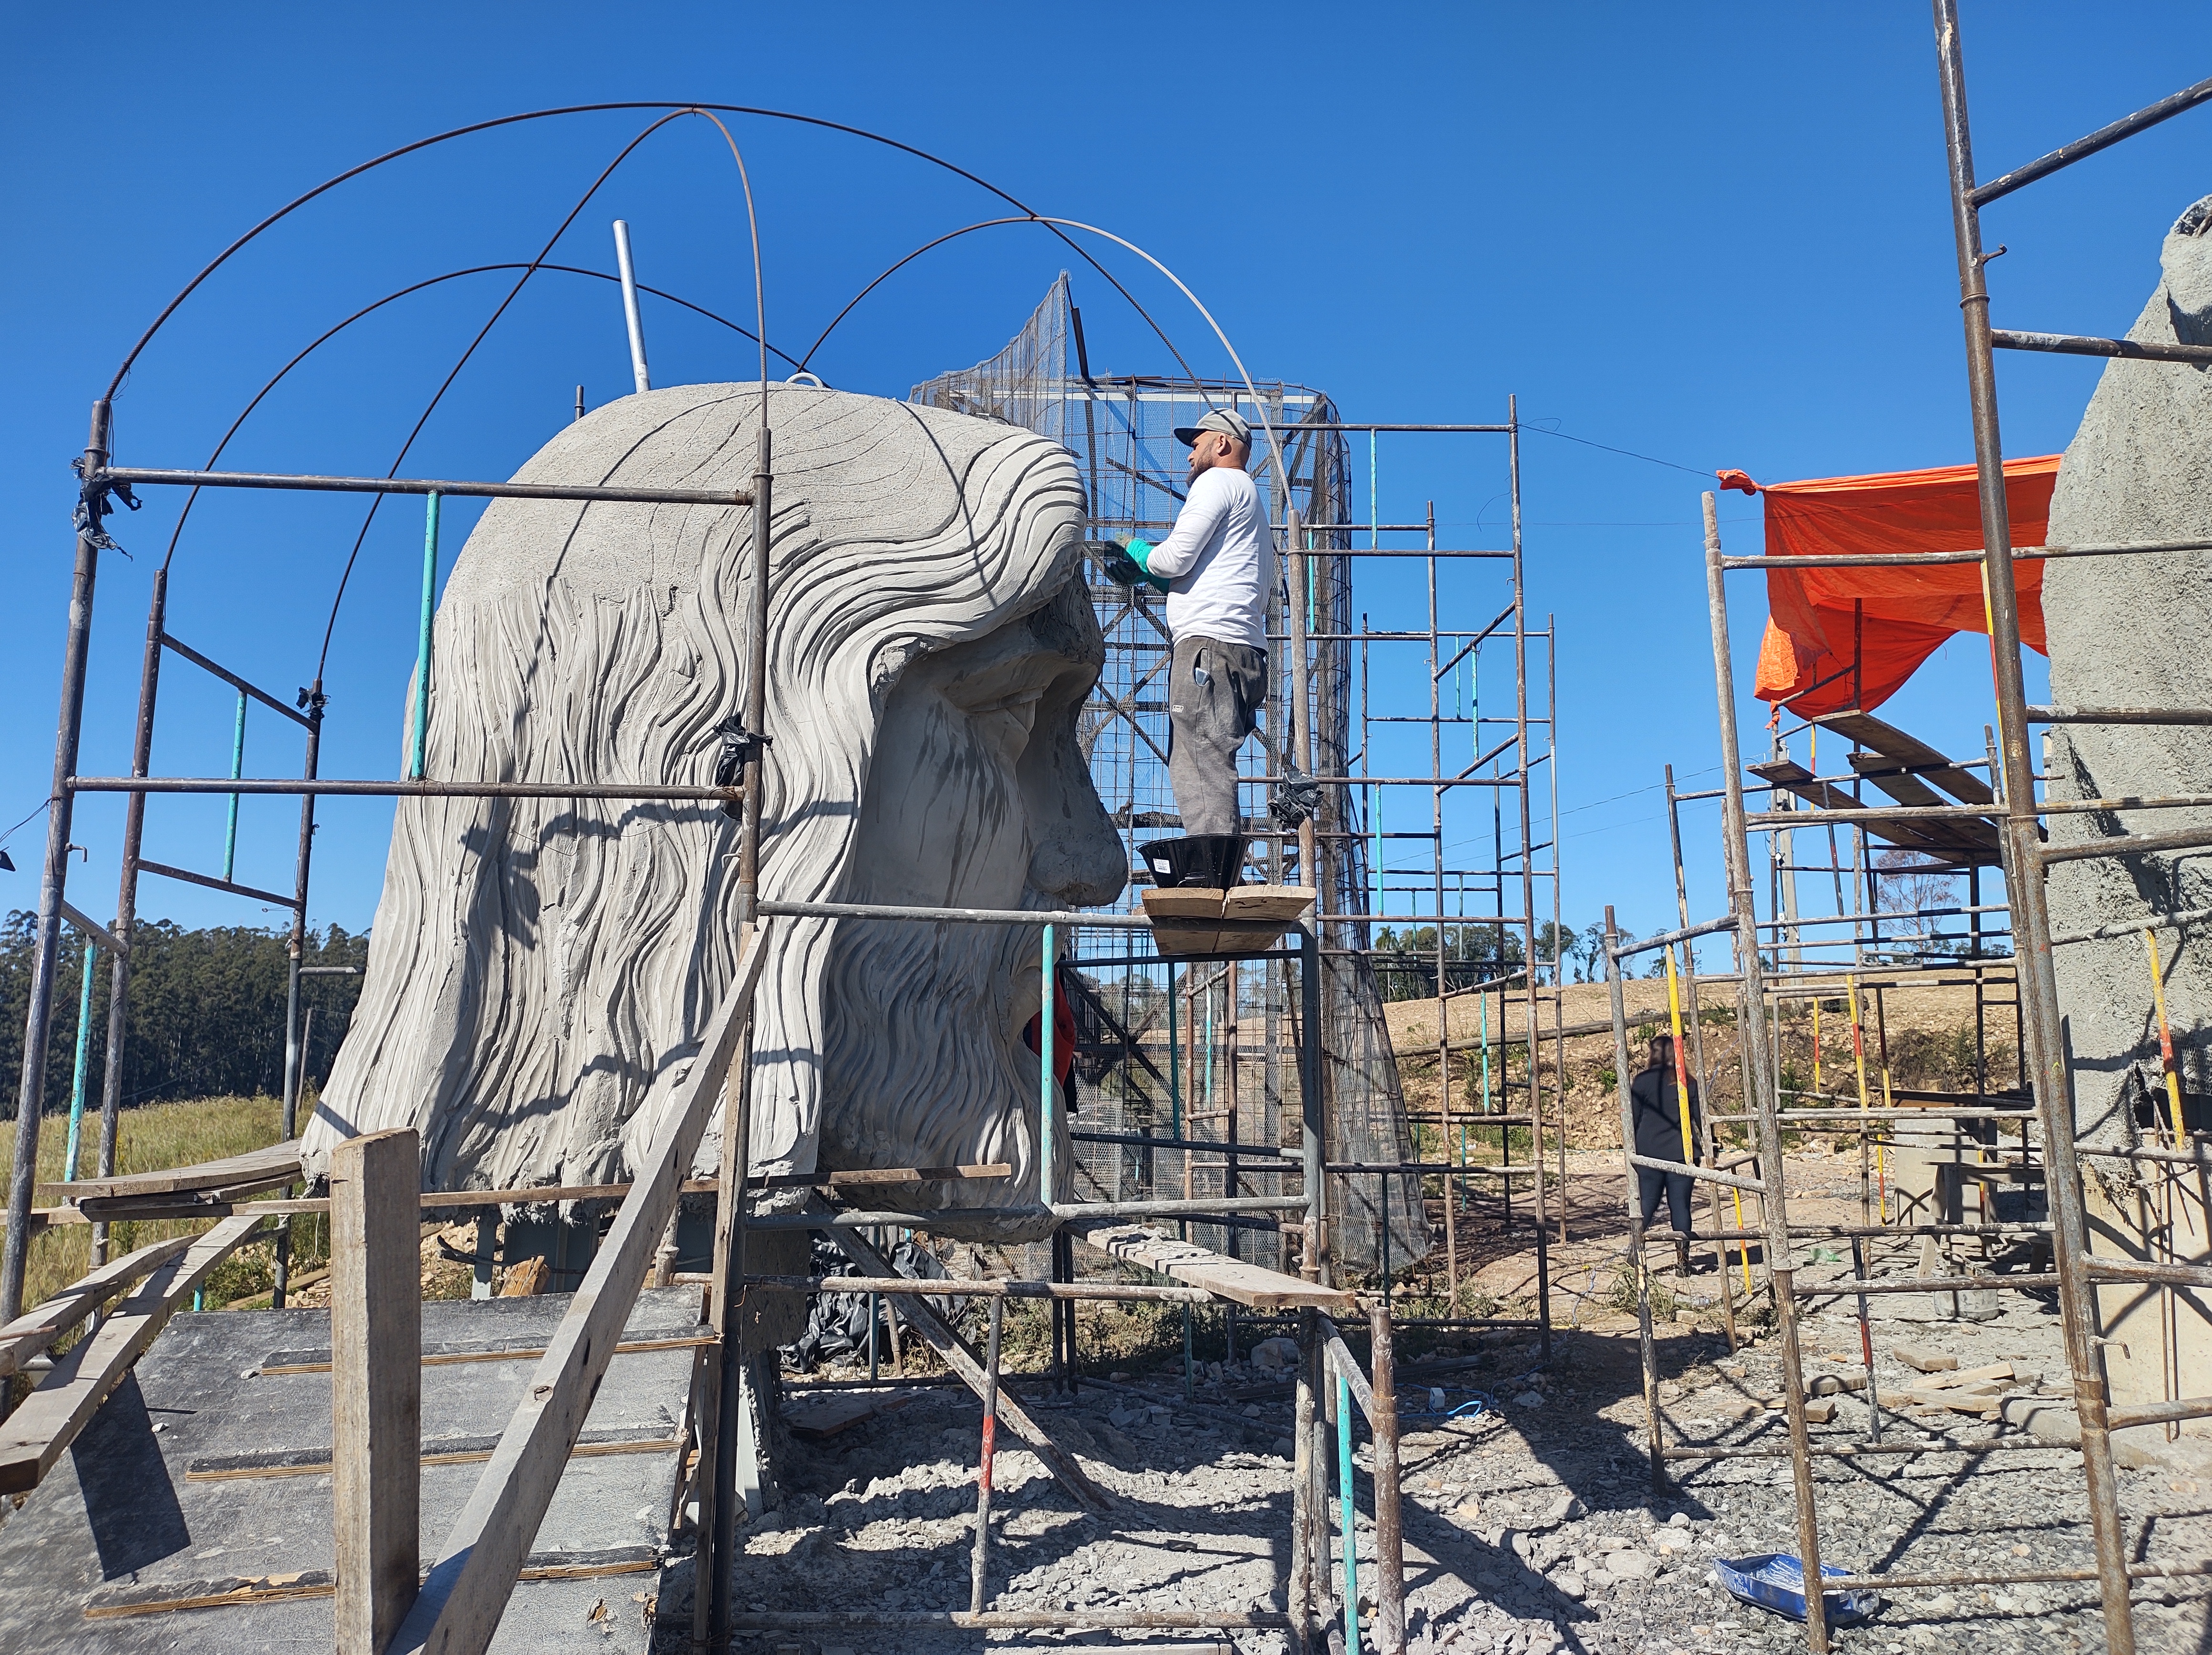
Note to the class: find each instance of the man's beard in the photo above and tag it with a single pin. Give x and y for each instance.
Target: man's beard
(923, 1065)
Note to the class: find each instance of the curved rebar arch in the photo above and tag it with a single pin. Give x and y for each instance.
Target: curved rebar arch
(324, 338)
(368, 517)
(1057, 225)
(708, 109)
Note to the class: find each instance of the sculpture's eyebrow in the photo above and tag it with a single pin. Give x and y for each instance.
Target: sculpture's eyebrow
(997, 683)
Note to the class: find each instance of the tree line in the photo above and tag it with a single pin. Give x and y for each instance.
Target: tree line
(205, 1016)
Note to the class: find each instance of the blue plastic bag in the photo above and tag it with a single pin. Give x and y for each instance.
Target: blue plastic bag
(1776, 1580)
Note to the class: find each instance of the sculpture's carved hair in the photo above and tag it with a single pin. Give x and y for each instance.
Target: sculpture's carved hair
(540, 969)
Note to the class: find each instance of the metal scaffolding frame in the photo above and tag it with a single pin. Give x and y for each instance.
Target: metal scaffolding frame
(1762, 977)
(1191, 1091)
(1315, 688)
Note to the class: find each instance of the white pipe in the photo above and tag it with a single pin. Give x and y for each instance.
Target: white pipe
(629, 307)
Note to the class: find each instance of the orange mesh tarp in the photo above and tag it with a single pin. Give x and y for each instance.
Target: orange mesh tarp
(1889, 619)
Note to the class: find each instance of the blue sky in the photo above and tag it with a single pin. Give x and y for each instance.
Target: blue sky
(1711, 236)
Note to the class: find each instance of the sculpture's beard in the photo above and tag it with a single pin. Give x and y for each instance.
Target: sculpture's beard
(924, 1063)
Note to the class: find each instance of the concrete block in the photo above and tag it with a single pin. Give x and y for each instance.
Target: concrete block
(1927, 1358)
(2053, 1422)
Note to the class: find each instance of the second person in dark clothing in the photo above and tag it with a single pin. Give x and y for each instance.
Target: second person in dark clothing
(1657, 1109)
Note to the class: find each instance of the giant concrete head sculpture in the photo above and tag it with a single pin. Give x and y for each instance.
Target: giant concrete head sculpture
(541, 970)
(2123, 632)
(2127, 631)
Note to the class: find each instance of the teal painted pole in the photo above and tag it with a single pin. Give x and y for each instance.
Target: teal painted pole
(237, 769)
(418, 734)
(1208, 1092)
(1175, 1066)
(1344, 1503)
(83, 1044)
(1189, 1366)
(1482, 1000)
(1047, 1082)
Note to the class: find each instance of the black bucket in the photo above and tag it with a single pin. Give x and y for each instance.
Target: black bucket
(1203, 861)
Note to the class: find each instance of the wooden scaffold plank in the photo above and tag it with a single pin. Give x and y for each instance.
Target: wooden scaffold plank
(1249, 1285)
(36, 1329)
(39, 1433)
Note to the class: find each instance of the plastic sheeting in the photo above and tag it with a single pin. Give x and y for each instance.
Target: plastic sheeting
(1839, 638)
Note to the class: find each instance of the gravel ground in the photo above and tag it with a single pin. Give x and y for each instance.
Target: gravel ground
(1531, 1529)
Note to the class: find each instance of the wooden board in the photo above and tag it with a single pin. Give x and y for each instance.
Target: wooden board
(1965, 1399)
(1183, 902)
(257, 1168)
(1933, 838)
(41, 1431)
(1200, 1267)
(1908, 789)
(1897, 748)
(1220, 939)
(1281, 903)
(122, 1601)
(1943, 1381)
(465, 1594)
(376, 1390)
(213, 1202)
(34, 1329)
(819, 1418)
(987, 1169)
(1179, 939)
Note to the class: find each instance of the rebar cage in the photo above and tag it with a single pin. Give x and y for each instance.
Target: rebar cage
(1208, 1052)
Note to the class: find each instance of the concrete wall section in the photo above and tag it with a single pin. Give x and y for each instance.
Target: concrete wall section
(2128, 631)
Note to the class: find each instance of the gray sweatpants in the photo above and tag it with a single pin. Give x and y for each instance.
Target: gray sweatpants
(1214, 698)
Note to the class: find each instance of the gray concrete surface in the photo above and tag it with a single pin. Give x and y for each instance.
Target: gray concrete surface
(122, 1520)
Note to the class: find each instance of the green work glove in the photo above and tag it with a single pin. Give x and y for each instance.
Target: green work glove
(1140, 553)
(1125, 563)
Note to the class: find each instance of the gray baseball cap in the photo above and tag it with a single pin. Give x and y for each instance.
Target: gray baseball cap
(1227, 422)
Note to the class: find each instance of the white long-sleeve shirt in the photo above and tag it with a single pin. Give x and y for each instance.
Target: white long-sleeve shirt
(1219, 561)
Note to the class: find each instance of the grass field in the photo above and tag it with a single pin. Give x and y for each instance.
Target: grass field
(150, 1138)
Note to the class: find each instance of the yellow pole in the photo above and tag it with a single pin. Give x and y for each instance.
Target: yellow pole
(2165, 1044)
(1682, 1102)
(1681, 1071)
(1858, 1056)
(2167, 1331)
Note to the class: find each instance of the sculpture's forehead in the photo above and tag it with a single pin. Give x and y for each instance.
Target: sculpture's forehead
(860, 467)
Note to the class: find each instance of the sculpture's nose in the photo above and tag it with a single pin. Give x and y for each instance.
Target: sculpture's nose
(1078, 857)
